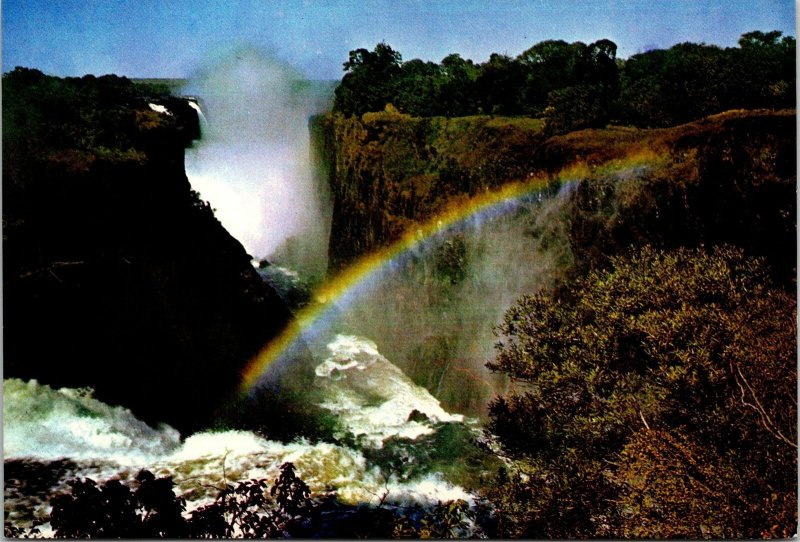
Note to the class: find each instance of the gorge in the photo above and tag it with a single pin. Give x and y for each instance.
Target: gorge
(345, 322)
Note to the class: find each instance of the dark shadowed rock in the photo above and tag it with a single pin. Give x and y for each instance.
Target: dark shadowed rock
(417, 416)
(116, 275)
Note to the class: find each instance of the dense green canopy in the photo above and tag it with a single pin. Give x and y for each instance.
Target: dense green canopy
(575, 85)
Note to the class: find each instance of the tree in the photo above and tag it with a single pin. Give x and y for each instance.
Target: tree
(759, 39)
(113, 510)
(251, 509)
(457, 92)
(672, 487)
(690, 80)
(689, 341)
(641, 100)
(549, 66)
(368, 82)
(499, 85)
(576, 108)
(573, 85)
(246, 510)
(764, 68)
(416, 88)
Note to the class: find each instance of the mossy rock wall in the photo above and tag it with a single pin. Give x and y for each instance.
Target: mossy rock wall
(388, 171)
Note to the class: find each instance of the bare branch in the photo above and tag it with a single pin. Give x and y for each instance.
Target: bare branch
(643, 420)
(766, 421)
(49, 269)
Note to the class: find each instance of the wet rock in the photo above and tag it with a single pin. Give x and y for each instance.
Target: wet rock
(417, 416)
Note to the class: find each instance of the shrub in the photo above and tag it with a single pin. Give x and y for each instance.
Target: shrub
(152, 510)
(689, 341)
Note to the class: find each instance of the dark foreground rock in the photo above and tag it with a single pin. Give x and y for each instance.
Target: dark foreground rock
(115, 274)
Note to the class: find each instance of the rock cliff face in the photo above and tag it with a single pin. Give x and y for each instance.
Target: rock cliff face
(728, 178)
(116, 275)
(388, 170)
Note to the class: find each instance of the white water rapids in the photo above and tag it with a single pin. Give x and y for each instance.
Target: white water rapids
(69, 432)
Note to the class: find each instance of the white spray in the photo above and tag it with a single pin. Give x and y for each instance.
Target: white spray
(253, 163)
(433, 315)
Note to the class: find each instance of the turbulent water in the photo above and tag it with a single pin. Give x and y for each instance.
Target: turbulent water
(54, 435)
(373, 412)
(432, 309)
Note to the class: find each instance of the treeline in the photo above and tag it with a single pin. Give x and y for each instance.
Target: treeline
(575, 85)
(105, 116)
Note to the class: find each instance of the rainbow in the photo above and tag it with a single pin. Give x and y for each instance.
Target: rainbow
(346, 285)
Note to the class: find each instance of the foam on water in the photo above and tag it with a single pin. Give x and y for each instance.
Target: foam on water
(77, 436)
(160, 109)
(210, 459)
(371, 397)
(49, 424)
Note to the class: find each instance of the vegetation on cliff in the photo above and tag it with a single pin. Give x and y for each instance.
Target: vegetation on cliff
(725, 178)
(575, 85)
(388, 170)
(114, 271)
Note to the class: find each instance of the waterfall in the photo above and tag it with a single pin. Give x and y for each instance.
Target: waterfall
(201, 117)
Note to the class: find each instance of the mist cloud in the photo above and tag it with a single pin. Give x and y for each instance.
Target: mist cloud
(253, 162)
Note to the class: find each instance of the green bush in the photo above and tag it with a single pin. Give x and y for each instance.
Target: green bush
(688, 341)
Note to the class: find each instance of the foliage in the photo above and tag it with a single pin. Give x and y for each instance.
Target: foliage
(250, 509)
(575, 108)
(575, 85)
(148, 508)
(113, 510)
(662, 343)
(659, 469)
(244, 511)
(451, 519)
(503, 85)
(665, 87)
(728, 180)
(499, 85)
(368, 83)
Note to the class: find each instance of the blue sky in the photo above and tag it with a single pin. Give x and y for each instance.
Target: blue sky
(174, 38)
